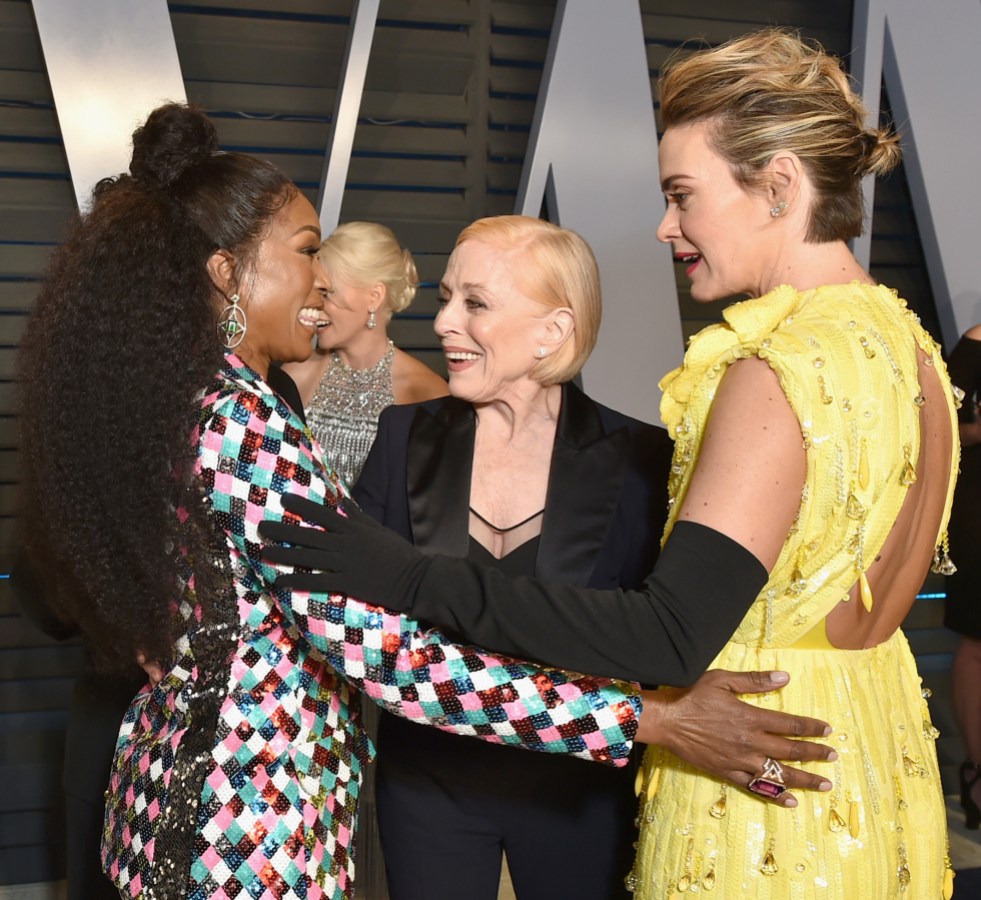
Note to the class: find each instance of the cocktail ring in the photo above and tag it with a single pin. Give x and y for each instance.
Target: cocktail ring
(769, 783)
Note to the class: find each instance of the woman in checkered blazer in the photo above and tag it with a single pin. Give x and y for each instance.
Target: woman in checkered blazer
(153, 449)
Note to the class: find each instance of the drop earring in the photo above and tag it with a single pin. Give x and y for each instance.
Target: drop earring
(778, 210)
(232, 324)
(372, 322)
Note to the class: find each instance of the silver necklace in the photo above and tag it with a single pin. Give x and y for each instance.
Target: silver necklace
(343, 413)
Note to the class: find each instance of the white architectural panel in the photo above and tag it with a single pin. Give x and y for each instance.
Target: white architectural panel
(348, 104)
(109, 63)
(929, 55)
(593, 151)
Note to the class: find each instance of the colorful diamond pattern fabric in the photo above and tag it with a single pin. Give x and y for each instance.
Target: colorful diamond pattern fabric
(278, 809)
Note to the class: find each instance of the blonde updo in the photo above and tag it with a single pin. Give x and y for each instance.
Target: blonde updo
(770, 91)
(366, 253)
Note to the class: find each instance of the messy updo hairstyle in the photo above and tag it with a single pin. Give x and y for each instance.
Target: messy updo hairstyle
(555, 267)
(121, 342)
(771, 91)
(368, 253)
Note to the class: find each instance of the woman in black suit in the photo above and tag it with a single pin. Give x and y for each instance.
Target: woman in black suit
(517, 469)
(454, 804)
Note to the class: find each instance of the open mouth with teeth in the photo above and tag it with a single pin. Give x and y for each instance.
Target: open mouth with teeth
(461, 356)
(691, 260)
(313, 318)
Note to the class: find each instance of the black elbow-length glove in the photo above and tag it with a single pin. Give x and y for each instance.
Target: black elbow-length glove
(666, 632)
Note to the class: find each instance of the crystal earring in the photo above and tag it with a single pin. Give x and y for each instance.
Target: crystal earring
(232, 324)
(372, 321)
(778, 210)
(541, 351)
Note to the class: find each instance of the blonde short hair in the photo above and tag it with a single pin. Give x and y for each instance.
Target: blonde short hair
(770, 91)
(368, 253)
(555, 267)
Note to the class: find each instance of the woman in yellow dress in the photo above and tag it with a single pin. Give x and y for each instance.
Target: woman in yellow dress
(816, 428)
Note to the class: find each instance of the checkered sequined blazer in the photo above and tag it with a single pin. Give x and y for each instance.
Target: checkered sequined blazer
(276, 813)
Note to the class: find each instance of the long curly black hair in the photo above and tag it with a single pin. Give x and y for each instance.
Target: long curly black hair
(120, 344)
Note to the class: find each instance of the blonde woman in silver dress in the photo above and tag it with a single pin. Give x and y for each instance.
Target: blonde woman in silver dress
(356, 370)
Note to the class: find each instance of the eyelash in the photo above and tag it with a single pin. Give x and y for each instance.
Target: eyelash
(469, 302)
(311, 251)
(679, 198)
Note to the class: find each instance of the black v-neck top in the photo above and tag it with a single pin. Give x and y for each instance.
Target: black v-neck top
(520, 561)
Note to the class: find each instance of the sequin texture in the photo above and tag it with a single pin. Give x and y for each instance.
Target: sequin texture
(276, 812)
(848, 843)
(343, 413)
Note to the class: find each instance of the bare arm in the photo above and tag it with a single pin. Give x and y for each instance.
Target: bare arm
(750, 472)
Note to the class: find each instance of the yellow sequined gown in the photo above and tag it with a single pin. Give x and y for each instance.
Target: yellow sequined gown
(846, 359)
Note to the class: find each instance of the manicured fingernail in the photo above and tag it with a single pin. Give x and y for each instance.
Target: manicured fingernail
(832, 756)
(827, 730)
(779, 677)
(824, 786)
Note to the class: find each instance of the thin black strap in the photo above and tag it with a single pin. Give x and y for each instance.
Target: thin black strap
(500, 530)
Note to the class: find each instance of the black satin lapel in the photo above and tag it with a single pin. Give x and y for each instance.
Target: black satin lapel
(584, 484)
(438, 466)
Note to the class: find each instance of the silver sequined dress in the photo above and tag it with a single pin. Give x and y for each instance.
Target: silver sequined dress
(343, 414)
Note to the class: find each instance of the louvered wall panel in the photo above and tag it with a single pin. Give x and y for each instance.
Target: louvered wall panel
(35, 674)
(896, 253)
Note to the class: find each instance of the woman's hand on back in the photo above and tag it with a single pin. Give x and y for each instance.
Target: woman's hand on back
(709, 727)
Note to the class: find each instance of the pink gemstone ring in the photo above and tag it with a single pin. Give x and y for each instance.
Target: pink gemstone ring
(769, 783)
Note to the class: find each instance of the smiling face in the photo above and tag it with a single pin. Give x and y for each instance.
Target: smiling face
(490, 330)
(282, 292)
(713, 223)
(347, 305)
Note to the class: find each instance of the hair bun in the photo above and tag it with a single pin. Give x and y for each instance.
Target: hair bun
(882, 151)
(174, 138)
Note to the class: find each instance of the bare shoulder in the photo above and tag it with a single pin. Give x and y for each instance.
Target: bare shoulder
(750, 394)
(413, 381)
(307, 374)
(973, 333)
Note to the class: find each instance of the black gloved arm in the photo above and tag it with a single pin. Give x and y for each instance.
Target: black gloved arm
(664, 633)
(667, 632)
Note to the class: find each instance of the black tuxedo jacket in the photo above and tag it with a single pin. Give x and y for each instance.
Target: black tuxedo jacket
(605, 510)
(605, 506)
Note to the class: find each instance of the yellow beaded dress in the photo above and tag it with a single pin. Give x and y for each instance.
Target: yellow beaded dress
(847, 361)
